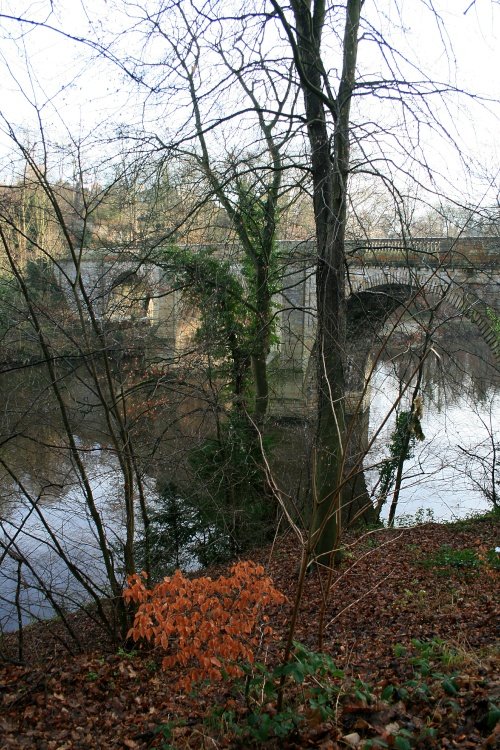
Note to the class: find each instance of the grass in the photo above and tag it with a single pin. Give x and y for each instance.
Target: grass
(474, 518)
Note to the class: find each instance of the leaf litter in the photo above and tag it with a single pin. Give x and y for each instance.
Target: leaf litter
(413, 630)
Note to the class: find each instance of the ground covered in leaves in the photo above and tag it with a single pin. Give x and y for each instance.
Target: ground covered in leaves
(410, 660)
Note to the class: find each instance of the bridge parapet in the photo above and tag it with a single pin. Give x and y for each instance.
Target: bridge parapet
(431, 251)
(467, 253)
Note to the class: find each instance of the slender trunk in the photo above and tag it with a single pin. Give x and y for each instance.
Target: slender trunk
(330, 171)
(406, 443)
(262, 338)
(399, 477)
(259, 252)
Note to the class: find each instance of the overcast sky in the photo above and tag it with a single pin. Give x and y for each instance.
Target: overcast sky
(77, 93)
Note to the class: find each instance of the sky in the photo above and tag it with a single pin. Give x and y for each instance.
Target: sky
(78, 95)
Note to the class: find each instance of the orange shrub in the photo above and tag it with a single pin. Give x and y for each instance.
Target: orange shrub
(205, 626)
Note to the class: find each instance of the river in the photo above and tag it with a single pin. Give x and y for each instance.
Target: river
(446, 478)
(450, 471)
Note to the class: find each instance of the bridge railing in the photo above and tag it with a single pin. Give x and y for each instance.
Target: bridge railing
(396, 250)
(457, 253)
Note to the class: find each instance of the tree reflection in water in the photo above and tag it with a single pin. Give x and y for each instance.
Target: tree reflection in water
(39, 486)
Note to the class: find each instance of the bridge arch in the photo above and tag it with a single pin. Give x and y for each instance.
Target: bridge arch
(129, 297)
(369, 308)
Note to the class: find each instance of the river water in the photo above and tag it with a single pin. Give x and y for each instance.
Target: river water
(450, 471)
(446, 477)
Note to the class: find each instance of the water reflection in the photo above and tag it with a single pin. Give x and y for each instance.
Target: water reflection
(43, 514)
(448, 473)
(40, 486)
(61, 507)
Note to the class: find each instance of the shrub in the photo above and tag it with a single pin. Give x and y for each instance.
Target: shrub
(447, 557)
(207, 627)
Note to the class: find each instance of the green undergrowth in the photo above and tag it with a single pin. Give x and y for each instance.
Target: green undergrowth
(470, 521)
(447, 557)
(431, 683)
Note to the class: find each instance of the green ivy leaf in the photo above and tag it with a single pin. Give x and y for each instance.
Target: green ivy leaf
(450, 686)
(402, 743)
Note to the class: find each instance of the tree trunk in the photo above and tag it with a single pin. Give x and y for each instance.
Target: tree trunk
(330, 170)
(262, 339)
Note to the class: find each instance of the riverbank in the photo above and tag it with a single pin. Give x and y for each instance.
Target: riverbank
(411, 621)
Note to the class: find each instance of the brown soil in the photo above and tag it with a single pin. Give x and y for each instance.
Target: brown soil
(391, 587)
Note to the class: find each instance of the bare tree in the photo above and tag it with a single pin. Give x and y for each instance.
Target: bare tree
(247, 101)
(68, 334)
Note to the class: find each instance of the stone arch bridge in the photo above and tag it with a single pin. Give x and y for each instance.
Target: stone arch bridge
(384, 275)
